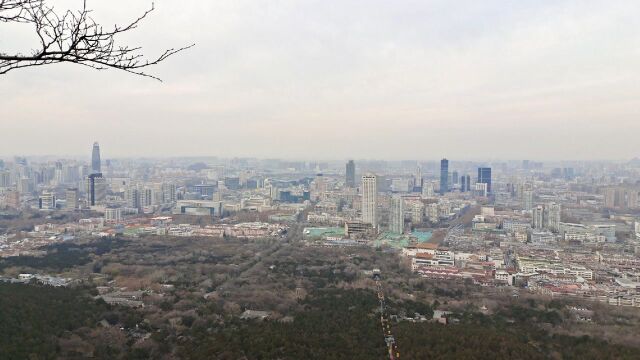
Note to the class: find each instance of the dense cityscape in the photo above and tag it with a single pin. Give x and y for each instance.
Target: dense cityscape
(566, 230)
(319, 180)
(571, 230)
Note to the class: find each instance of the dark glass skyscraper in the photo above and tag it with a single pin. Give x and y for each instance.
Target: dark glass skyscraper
(444, 176)
(95, 159)
(350, 178)
(484, 177)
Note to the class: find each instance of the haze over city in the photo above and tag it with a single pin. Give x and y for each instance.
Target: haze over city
(306, 179)
(543, 80)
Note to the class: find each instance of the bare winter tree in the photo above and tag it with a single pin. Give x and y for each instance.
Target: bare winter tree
(74, 37)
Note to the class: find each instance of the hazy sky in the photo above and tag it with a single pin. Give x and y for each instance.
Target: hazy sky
(338, 79)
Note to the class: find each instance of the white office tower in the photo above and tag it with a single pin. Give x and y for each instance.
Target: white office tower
(527, 196)
(554, 212)
(273, 192)
(481, 189)
(396, 221)
(538, 220)
(417, 212)
(637, 229)
(370, 200)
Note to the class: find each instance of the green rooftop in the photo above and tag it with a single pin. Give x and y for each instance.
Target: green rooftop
(323, 231)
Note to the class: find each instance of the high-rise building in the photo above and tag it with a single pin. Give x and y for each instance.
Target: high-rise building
(168, 193)
(554, 212)
(538, 219)
(113, 215)
(370, 200)
(396, 221)
(454, 178)
(47, 200)
(71, 197)
(417, 212)
(131, 197)
(465, 183)
(546, 216)
(484, 177)
(5, 178)
(610, 197)
(96, 189)
(480, 189)
(12, 199)
(428, 189)
(444, 176)
(318, 187)
(632, 199)
(419, 180)
(527, 197)
(25, 185)
(350, 177)
(146, 197)
(95, 159)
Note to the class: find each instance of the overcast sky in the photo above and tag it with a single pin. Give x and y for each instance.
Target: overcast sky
(339, 79)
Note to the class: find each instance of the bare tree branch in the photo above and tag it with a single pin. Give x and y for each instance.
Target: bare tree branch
(74, 37)
(15, 10)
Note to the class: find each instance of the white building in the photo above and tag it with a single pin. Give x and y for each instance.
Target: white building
(417, 212)
(47, 201)
(370, 200)
(396, 221)
(113, 215)
(428, 189)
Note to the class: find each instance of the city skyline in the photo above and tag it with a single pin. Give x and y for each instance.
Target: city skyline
(356, 179)
(80, 156)
(383, 81)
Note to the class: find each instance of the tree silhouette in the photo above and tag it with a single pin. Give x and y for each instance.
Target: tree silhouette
(74, 37)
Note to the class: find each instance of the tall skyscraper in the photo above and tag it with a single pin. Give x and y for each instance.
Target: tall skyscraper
(396, 221)
(96, 189)
(444, 176)
(484, 177)
(95, 159)
(370, 200)
(350, 177)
